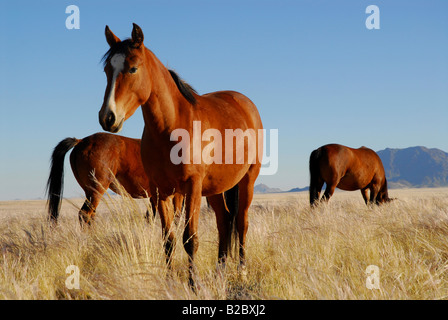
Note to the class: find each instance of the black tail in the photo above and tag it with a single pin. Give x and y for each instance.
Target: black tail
(55, 183)
(315, 175)
(232, 199)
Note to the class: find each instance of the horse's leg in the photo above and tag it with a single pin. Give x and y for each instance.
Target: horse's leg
(95, 185)
(190, 237)
(316, 185)
(178, 203)
(246, 192)
(217, 203)
(315, 191)
(329, 190)
(319, 188)
(166, 217)
(316, 179)
(364, 193)
(374, 190)
(88, 210)
(148, 216)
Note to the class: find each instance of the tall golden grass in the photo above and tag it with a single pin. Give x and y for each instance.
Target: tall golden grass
(293, 252)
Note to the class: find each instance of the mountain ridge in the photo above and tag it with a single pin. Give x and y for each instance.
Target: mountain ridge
(417, 167)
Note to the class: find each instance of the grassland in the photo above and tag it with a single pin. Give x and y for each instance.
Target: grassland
(293, 252)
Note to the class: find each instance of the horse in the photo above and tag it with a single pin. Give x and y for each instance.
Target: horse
(347, 169)
(98, 162)
(136, 77)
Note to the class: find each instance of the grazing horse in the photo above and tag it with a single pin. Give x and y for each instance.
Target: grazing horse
(136, 77)
(348, 169)
(98, 161)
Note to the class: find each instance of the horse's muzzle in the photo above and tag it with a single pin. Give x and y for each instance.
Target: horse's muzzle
(108, 123)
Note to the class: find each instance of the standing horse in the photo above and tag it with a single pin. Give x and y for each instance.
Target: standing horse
(136, 77)
(348, 169)
(98, 161)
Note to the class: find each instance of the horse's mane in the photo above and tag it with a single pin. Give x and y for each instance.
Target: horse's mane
(125, 47)
(184, 88)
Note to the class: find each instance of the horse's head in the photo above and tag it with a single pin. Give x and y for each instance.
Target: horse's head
(128, 84)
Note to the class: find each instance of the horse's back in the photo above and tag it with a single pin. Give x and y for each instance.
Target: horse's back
(334, 155)
(97, 147)
(338, 154)
(370, 158)
(234, 106)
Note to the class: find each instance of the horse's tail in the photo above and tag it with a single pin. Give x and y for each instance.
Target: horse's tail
(55, 183)
(231, 197)
(314, 175)
(384, 193)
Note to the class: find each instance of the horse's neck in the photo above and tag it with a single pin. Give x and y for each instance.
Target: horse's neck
(160, 112)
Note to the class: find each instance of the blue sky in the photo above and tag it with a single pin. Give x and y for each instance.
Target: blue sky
(314, 70)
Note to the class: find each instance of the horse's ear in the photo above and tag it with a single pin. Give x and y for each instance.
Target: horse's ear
(137, 35)
(110, 37)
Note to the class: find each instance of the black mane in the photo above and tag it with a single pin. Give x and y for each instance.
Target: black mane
(187, 91)
(125, 47)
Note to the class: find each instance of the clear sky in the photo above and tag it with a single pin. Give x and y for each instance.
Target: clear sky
(314, 70)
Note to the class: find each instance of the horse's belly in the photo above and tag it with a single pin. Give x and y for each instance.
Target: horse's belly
(170, 177)
(348, 183)
(222, 178)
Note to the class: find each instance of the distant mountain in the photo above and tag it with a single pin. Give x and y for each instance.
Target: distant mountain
(262, 188)
(299, 189)
(415, 167)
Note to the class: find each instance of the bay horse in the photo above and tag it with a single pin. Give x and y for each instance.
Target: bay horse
(97, 161)
(136, 77)
(347, 169)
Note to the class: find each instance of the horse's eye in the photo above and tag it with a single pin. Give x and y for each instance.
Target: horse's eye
(133, 70)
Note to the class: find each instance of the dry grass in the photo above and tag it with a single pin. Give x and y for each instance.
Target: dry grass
(293, 252)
